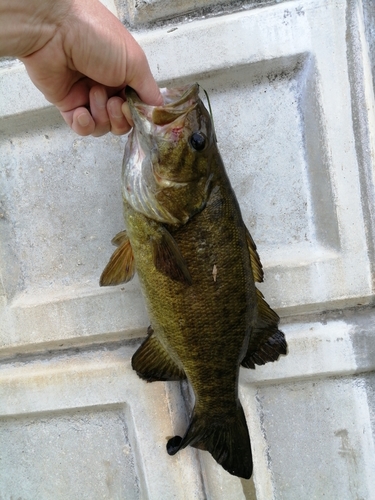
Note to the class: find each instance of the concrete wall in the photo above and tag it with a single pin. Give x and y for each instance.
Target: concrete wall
(292, 93)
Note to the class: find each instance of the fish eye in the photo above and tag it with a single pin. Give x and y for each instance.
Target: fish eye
(198, 141)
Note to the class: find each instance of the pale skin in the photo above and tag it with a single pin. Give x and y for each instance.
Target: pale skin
(80, 57)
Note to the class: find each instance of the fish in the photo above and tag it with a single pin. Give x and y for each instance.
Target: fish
(197, 265)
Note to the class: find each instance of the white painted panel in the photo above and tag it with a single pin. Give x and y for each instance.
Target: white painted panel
(329, 263)
(324, 430)
(82, 454)
(293, 412)
(292, 96)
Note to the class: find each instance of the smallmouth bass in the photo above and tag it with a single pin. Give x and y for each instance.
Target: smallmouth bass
(197, 265)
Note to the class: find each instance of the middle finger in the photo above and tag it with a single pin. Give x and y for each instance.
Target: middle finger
(98, 108)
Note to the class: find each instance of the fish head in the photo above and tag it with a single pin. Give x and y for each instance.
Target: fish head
(167, 164)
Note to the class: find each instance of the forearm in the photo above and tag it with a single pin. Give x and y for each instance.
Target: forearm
(27, 25)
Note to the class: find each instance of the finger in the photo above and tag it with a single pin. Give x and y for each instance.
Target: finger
(79, 120)
(119, 124)
(142, 80)
(77, 96)
(98, 108)
(148, 90)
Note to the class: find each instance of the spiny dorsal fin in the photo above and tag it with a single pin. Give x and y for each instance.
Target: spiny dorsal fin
(168, 259)
(121, 266)
(256, 264)
(152, 362)
(267, 342)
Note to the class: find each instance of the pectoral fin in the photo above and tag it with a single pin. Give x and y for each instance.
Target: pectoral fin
(267, 341)
(120, 238)
(168, 259)
(152, 362)
(121, 266)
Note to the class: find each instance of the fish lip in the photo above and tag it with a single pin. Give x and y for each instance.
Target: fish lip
(182, 94)
(177, 102)
(187, 92)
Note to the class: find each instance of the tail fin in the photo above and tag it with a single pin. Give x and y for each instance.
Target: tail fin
(227, 440)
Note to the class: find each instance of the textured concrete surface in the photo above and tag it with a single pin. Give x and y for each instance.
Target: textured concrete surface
(276, 109)
(292, 91)
(88, 411)
(79, 454)
(325, 425)
(145, 11)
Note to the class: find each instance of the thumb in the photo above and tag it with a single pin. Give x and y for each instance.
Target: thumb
(139, 78)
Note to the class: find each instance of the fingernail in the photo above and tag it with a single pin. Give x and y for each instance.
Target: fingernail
(100, 99)
(115, 110)
(83, 119)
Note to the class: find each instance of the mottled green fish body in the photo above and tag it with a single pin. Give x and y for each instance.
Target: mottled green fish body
(197, 266)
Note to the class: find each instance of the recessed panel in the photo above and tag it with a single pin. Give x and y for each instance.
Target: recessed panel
(319, 438)
(82, 454)
(61, 202)
(267, 116)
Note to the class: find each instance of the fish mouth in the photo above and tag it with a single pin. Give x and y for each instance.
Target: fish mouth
(166, 122)
(159, 134)
(177, 103)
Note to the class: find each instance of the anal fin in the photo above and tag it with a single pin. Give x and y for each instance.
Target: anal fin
(152, 362)
(121, 266)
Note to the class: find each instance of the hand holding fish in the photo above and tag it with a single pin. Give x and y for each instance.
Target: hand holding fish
(80, 57)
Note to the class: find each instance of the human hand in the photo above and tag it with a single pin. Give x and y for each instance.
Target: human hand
(81, 57)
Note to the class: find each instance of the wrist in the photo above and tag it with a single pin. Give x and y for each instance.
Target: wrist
(26, 26)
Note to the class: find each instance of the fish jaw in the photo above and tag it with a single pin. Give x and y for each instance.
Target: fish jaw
(139, 185)
(164, 177)
(177, 101)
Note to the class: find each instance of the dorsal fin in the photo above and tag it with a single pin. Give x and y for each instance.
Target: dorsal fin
(256, 264)
(267, 342)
